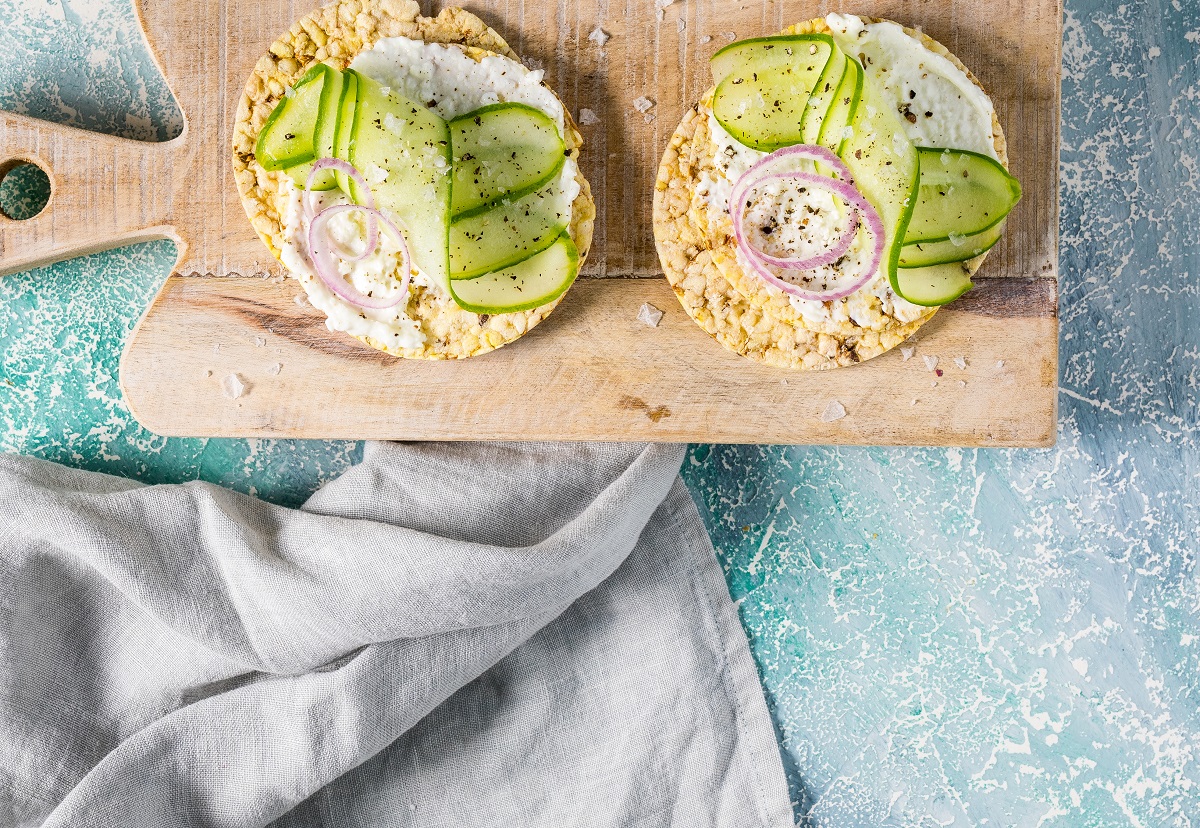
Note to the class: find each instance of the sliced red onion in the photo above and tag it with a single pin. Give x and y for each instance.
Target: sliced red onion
(324, 259)
(352, 171)
(862, 213)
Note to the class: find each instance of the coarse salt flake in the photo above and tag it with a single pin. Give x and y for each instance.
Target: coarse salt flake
(907, 353)
(961, 363)
(599, 36)
(706, 39)
(234, 386)
(643, 104)
(274, 369)
(588, 117)
(834, 411)
(930, 363)
(649, 315)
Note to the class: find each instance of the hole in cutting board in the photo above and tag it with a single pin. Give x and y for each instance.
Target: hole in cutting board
(24, 189)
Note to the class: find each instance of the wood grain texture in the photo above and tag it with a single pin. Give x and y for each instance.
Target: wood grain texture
(109, 191)
(590, 371)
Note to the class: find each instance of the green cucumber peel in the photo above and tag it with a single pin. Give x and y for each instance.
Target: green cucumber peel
(934, 285)
(727, 58)
(517, 170)
(323, 133)
(923, 254)
(760, 102)
(277, 152)
(822, 98)
(524, 285)
(998, 186)
(508, 233)
(846, 102)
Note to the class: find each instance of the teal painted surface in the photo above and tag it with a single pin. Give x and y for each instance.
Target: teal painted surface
(947, 637)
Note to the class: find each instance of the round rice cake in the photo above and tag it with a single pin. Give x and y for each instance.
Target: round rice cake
(740, 310)
(335, 34)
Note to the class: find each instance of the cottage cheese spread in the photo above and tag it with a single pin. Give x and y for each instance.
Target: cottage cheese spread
(456, 84)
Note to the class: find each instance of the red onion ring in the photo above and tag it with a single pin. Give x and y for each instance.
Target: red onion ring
(352, 171)
(321, 253)
(766, 169)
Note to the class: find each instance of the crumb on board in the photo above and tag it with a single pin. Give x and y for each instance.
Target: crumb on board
(599, 36)
(649, 315)
(234, 386)
(588, 117)
(834, 411)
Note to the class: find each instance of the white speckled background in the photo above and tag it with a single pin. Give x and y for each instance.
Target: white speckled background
(947, 637)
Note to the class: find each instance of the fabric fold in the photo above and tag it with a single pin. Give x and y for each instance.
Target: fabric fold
(185, 655)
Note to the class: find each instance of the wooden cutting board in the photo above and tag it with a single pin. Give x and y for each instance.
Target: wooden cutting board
(591, 371)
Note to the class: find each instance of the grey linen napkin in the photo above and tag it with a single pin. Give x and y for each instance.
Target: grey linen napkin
(447, 635)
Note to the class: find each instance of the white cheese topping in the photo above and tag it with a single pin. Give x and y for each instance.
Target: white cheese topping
(455, 84)
(909, 75)
(947, 109)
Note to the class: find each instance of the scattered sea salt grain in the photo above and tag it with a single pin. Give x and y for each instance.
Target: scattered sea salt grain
(729, 35)
(658, 15)
(649, 119)
(1000, 363)
(234, 386)
(930, 362)
(599, 36)
(259, 342)
(907, 353)
(532, 62)
(834, 411)
(643, 104)
(588, 117)
(962, 383)
(680, 25)
(706, 39)
(299, 299)
(914, 401)
(217, 348)
(961, 363)
(650, 315)
(662, 4)
(274, 370)
(933, 384)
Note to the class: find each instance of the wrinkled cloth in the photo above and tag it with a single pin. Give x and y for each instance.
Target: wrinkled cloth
(447, 635)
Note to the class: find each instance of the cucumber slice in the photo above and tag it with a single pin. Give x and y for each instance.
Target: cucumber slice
(961, 193)
(327, 119)
(933, 285)
(844, 108)
(763, 101)
(954, 249)
(412, 145)
(535, 281)
(344, 127)
(765, 53)
(823, 97)
(507, 233)
(884, 165)
(502, 150)
(286, 139)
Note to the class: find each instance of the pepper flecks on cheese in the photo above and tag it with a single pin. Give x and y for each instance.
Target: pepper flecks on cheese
(449, 82)
(937, 105)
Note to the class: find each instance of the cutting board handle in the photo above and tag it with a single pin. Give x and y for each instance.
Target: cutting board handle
(104, 192)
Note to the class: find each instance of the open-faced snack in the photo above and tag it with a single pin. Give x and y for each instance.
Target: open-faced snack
(837, 184)
(419, 182)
